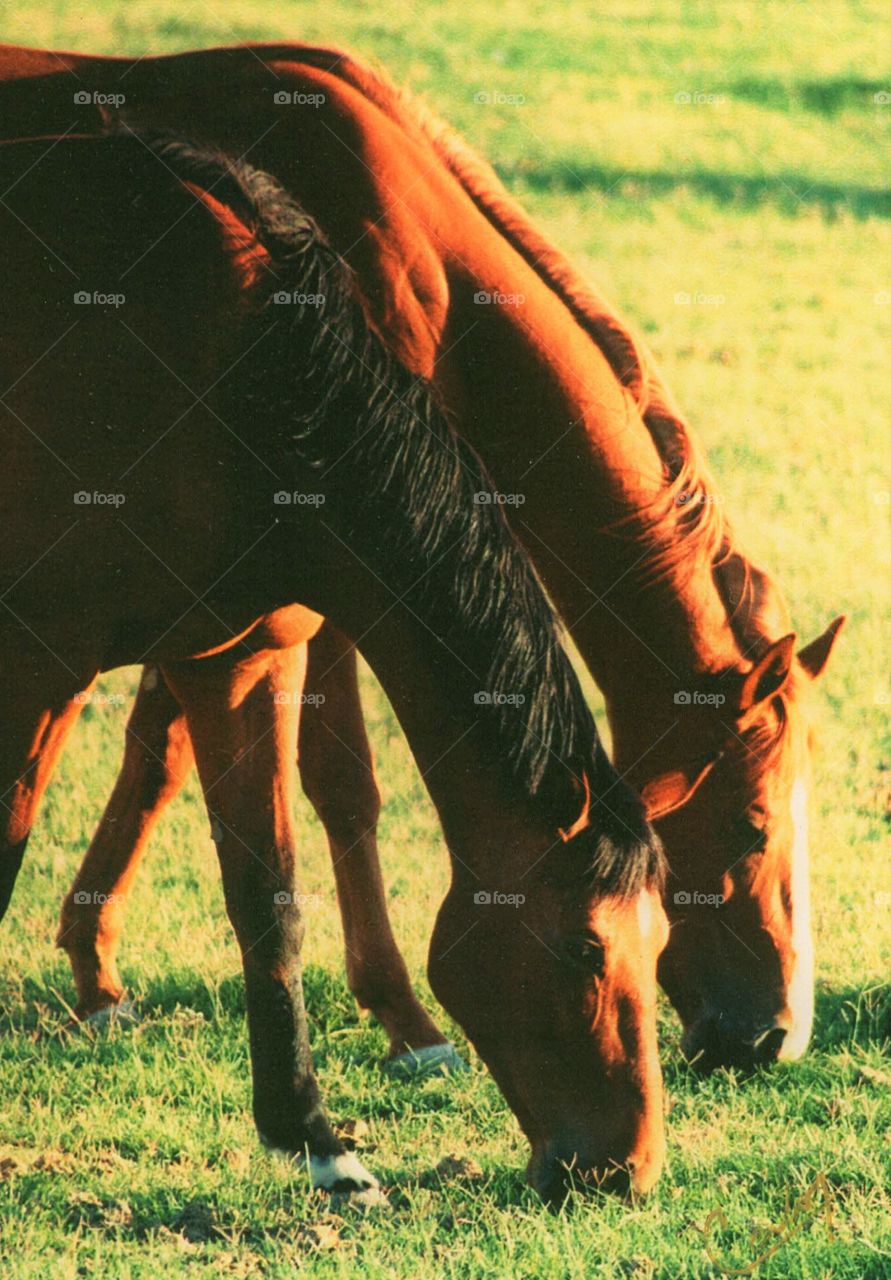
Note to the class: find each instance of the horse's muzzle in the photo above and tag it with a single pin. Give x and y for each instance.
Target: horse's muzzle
(554, 1175)
(715, 1042)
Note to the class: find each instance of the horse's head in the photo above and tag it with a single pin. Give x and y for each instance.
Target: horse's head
(548, 961)
(739, 964)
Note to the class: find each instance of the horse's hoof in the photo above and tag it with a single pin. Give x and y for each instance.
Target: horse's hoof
(432, 1060)
(368, 1198)
(347, 1180)
(123, 1014)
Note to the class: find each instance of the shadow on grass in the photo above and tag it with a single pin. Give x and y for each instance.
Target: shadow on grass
(40, 1009)
(328, 999)
(852, 1016)
(823, 97)
(790, 193)
(296, 1211)
(843, 1017)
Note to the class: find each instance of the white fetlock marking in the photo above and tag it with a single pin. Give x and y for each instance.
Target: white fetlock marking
(423, 1061)
(121, 1012)
(327, 1171)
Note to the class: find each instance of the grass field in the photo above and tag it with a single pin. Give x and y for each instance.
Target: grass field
(762, 199)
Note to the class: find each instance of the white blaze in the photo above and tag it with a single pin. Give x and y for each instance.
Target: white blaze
(644, 913)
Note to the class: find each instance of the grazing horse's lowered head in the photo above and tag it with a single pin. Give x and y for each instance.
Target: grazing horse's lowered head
(545, 958)
(739, 967)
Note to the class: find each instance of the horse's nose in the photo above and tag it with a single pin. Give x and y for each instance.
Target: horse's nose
(553, 1175)
(714, 1042)
(768, 1044)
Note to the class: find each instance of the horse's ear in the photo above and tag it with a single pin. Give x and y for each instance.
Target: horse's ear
(814, 656)
(669, 791)
(768, 675)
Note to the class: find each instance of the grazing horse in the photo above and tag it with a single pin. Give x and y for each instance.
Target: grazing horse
(187, 562)
(690, 642)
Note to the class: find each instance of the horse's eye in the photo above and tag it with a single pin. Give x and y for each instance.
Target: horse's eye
(586, 954)
(752, 835)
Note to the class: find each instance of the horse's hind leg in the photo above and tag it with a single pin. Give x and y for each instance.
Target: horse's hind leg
(245, 740)
(337, 774)
(37, 709)
(157, 760)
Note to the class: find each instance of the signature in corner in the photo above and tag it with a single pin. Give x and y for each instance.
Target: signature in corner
(764, 1241)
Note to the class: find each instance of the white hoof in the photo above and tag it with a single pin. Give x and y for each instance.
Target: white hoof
(343, 1173)
(432, 1060)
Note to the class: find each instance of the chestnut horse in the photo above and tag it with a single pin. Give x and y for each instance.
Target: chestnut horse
(691, 643)
(186, 561)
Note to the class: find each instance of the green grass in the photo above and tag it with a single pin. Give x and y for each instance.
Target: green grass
(134, 1154)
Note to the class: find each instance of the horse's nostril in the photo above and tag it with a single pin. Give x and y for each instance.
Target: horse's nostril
(713, 1044)
(768, 1045)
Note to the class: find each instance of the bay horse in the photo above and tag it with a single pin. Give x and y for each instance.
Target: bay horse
(690, 642)
(188, 563)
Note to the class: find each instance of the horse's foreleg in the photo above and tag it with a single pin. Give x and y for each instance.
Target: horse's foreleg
(157, 760)
(337, 774)
(245, 741)
(37, 709)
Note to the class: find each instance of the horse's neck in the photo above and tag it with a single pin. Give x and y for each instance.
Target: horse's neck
(538, 398)
(484, 817)
(565, 443)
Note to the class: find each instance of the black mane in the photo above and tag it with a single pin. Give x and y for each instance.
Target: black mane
(405, 483)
